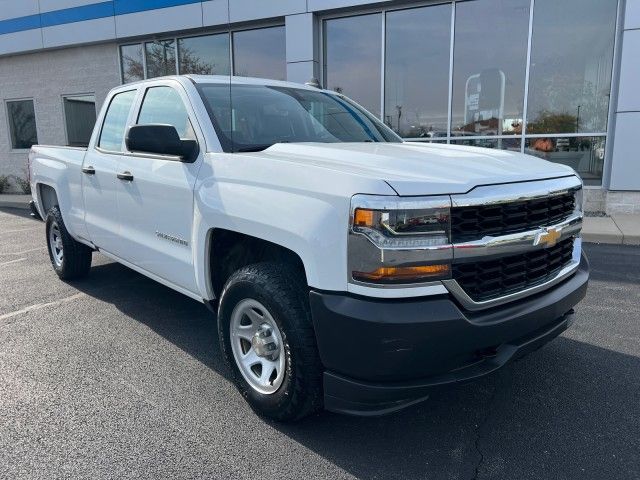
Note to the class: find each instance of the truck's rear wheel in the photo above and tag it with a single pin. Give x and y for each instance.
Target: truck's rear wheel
(267, 338)
(70, 259)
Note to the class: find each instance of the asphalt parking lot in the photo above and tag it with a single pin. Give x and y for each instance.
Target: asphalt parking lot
(117, 376)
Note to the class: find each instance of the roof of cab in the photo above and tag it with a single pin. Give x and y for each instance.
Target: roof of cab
(224, 79)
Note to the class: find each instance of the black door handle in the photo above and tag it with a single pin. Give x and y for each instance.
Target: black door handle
(89, 170)
(126, 176)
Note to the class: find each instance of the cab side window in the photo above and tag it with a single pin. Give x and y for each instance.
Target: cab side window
(163, 105)
(115, 121)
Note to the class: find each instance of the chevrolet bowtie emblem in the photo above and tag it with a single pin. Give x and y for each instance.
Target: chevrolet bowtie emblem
(549, 237)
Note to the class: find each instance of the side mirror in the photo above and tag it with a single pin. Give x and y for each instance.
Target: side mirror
(160, 140)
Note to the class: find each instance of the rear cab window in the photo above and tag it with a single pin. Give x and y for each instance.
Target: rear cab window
(115, 121)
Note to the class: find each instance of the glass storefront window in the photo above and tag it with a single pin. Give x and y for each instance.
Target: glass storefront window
(417, 71)
(490, 51)
(584, 154)
(571, 61)
(512, 144)
(131, 63)
(353, 58)
(161, 58)
(260, 53)
(205, 55)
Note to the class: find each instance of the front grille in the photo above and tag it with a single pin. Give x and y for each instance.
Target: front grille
(494, 278)
(473, 223)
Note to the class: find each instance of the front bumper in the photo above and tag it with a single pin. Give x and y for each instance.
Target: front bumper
(383, 355)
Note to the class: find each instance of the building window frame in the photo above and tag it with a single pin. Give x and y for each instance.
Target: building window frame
(65, 96)
(523, 136)
(7, 101)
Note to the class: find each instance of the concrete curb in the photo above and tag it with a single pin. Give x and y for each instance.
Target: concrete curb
(617, 229)
(14, 201)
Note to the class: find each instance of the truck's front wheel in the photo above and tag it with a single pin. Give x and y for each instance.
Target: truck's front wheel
(70, 259)
(267, 338)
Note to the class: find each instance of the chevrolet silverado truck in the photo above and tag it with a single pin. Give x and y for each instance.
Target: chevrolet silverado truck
(348, 269)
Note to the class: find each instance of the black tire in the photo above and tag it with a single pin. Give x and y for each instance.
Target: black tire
(76, 260)
(284, 293)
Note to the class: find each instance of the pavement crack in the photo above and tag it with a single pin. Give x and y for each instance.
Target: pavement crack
(478, 432)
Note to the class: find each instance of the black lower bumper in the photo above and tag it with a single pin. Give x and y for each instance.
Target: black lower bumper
(383, 355)
(34, 211)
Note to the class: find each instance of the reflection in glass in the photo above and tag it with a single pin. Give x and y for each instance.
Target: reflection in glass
(353, 58)
(205, 55)
(163, 105)
(417, 71)
(571, 59)
(260, 53)
(115, 121)
(22, 124)
(511, 144)
(161, 58)
(255, 117)
(584, 154)
(489, 66)
(131, 63)
(80, 117)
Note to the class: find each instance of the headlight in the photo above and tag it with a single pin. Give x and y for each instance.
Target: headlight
(404, 228)
(399, 241)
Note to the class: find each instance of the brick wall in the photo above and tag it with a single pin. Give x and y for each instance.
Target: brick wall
(45, 77)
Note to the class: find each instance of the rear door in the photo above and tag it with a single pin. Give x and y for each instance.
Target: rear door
(99, 173)
(155, 199)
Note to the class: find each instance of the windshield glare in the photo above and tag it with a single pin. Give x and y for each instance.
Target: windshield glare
(254, 117)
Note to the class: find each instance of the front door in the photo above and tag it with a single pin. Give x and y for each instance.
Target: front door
(99, 174)
(155, 195)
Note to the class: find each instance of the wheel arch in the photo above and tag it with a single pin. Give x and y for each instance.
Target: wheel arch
(229, 250)
(47, 198)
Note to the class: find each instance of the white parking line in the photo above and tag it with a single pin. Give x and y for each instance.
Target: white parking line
(39, 306)
(13, 261)
(23, 252)
(37, 227)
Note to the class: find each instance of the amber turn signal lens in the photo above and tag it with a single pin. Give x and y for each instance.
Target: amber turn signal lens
(363, 218)
(404, 274)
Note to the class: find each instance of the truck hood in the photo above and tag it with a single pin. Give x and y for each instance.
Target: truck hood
(412, 168)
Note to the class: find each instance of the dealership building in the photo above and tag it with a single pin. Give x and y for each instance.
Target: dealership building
(559, 79)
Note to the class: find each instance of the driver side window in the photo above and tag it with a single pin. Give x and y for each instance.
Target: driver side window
(163, 105)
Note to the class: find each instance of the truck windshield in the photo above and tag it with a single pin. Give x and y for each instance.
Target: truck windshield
(251, 118)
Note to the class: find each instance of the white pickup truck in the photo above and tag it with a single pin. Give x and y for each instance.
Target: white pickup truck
(349, 270)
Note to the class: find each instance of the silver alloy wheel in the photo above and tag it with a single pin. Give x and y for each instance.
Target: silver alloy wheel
(55, 243)
(257, 346)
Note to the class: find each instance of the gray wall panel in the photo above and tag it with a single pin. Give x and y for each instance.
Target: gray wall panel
(20, 41)
(89, 31)
(160, 20)
(215, 12)
(51, 5)
(632, 14)
(625, 165)
(302, 37)
(17, 8)
(629, 91)
(243, 10)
